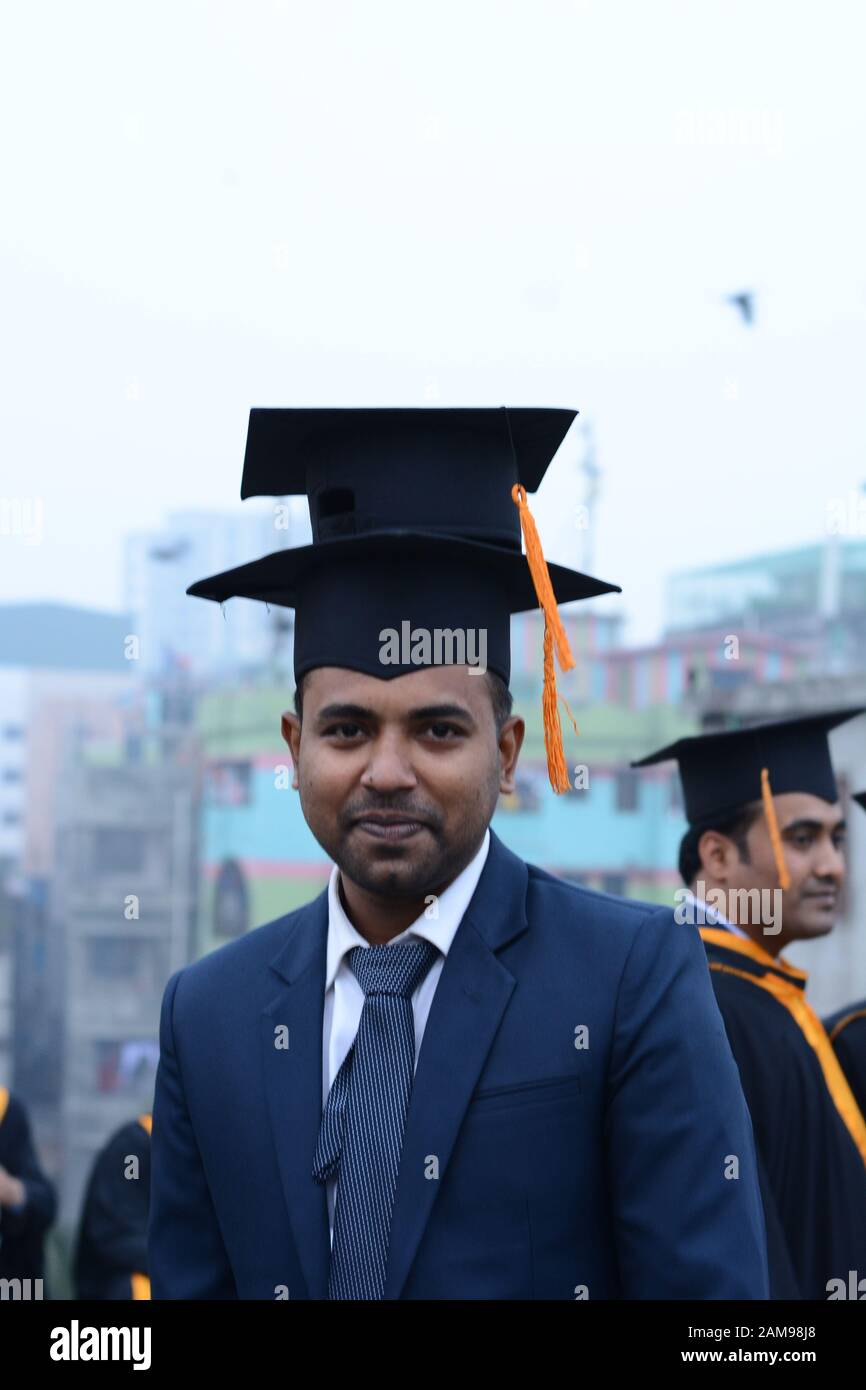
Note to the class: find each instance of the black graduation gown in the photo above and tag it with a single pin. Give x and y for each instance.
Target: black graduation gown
(22, 1233)
(812, 1159)
(847, 1032)
(111, 1251)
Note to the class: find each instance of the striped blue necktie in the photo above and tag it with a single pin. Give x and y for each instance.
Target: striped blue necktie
(361, 1136)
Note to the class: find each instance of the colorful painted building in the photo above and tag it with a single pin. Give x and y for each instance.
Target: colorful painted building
(616, 830)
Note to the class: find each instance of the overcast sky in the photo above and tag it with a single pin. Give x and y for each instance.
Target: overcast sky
(210, 206)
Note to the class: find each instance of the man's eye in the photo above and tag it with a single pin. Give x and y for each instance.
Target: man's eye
(441, 731)
(802, 841)
(343, 730)
(840, 841)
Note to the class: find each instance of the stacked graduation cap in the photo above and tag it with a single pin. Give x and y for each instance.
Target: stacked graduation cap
(724, 771)
(416, 519)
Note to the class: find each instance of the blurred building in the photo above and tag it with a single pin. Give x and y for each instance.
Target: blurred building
(209, 639)
(62, 670)
(121, 912)
(98, 792)
(65, 677)
(812, 596)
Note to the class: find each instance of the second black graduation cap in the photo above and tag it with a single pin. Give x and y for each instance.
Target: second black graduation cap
(721, 772)
(413, 521)
(431, 468)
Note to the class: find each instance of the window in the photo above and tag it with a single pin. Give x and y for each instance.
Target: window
(117, 851)
(627, 790)
(126, 1067)
(178, 707)
(138, 964)
(675, 677)
(729, 678)
(231, 903)
(228, 783)
(641, 682)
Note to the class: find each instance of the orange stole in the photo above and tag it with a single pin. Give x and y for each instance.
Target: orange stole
(792, 997)
(140, 1282)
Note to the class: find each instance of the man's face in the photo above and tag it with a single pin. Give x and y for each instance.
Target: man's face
(399, 778)
(813, 837)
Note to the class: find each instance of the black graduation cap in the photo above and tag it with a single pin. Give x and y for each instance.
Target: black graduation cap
(721, 772)
(431, 469)
(413, 521)
(860, 798)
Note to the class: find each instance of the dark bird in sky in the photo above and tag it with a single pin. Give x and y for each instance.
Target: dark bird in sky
(169, 552)
(745, 302)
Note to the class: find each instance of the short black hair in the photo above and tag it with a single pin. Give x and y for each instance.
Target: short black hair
(736, 826)
(501, 698)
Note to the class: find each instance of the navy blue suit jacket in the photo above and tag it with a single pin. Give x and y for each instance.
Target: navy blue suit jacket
(531, 1167)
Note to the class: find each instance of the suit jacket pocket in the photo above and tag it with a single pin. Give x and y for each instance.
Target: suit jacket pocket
(546, 1090)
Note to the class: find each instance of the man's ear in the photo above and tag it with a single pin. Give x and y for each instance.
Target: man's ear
(717, 854)
(290, 725)
(510, 742)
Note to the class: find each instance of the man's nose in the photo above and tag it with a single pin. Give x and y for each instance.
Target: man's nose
(389, 765)
(831, 862)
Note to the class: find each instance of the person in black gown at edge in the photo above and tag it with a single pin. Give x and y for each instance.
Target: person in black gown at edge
(28, 1199)
(110, 1259)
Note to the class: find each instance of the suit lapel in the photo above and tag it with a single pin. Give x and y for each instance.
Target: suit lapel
(293, 1082)
(471, 996)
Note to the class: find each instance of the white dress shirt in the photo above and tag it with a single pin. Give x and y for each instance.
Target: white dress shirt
(712, 915)
(344, 998)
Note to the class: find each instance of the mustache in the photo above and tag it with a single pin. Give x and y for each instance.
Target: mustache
(393, 807)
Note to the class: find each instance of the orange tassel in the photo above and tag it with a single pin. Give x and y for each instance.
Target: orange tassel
(557, 768)
(773, 827)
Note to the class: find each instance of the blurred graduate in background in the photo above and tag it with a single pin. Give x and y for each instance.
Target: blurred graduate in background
(28, 1201)
(847, 1031)
(763, 862)
(111, 1250)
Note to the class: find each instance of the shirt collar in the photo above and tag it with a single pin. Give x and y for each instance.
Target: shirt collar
(440, 930)
(713, 916)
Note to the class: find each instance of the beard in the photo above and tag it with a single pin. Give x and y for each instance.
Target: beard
(424, 864)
